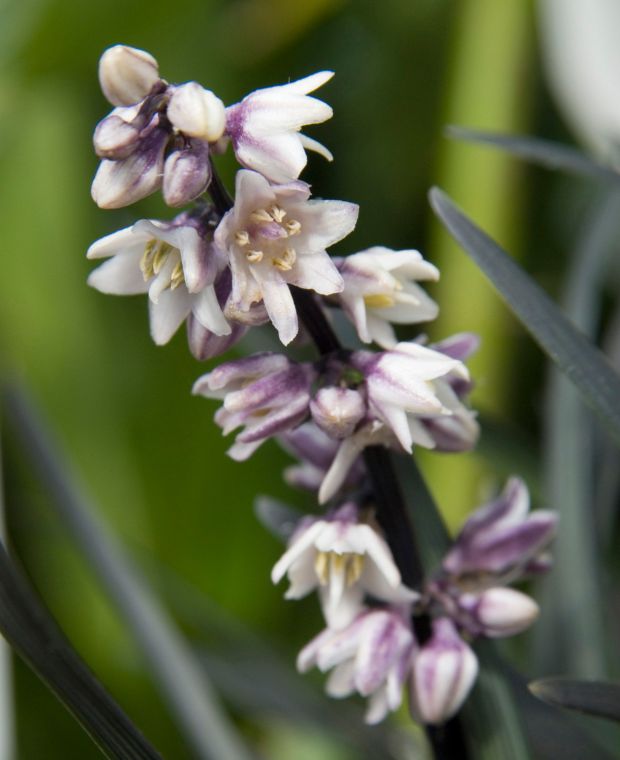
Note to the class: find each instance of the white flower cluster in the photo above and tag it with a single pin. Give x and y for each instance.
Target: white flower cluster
(226, 266)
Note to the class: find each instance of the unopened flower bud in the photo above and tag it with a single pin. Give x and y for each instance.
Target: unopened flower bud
(115, 138)
(500, 611)
(127, 74)
(337, 411)
(444, 670)
(187, 173)
(197, 112)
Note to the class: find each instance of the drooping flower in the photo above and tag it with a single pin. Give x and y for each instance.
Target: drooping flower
(372, 656)
(265, 127)
(175, 262)
(345, 558)
(404, 388)
(275, 237)
(266, 393)
(443, 673)
(380, 289)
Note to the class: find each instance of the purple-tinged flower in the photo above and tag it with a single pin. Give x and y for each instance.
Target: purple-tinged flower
(127, 74)
(337, 411)
(345, 558)
(174, 262)
(372, 656)
(496, 612)
(443, 673)
(501, 538)
(275, 237)
(265, 127)
(266, 393)
(316, 451)
(380, 289)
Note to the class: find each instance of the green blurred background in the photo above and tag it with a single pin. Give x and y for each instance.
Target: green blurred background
(145, 449)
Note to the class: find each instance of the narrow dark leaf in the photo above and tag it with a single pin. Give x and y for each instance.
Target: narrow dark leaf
(573, 353)
(550, 154)
(33, 633)
(277, 517)
(597, 698)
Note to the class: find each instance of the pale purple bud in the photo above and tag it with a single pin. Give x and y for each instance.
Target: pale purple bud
(500, 537)
(444, 671)
(115, 138)
(337, 410)
(197, 112)
(187, 173)
(127, 74)
(120, 183)
(498, 612)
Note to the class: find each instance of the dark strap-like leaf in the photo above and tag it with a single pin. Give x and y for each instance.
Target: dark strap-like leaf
(598, 698)
(32, 632)
(573, 353)
(550, 154)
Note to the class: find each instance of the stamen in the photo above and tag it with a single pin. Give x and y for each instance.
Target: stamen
(354, 568)
(379, 301)
(146, 262)
(260, 215)
(161, 254)
(254, 256)
(293, 227)
(285, 262)
(321, 567)
(177, 277)
(242, 238)
(277, 214)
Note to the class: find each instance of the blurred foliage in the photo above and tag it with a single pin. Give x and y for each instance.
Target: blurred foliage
(147, 451)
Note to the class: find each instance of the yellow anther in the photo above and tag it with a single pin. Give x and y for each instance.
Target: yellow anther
(321, 567)
(161, 254)
(177, 277)
(379, 301)
(293, 227)
(338, 562)
(277, 214)
(355, 566)
(242, 238)
(146, 262)
(260, 215)
(254, 256)
(285, 262)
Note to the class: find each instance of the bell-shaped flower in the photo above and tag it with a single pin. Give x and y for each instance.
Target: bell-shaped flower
(443, 673)
(500, 538)
(127, 74)
(371, 656)
(275, 237)
(496, 612)
(345, 558)
(380, 289)
(266, 393)
(265, 127)
(174, 262)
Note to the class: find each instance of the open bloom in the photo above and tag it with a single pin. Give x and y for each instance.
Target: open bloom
(275, 237)
(174, 262)
(266, 393)
(344, 558)
(265, 127)
(372, 656)
(380, 288)
(405, 388)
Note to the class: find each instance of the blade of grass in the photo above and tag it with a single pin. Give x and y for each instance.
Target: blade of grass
(174, 668)
(549, 154)
(573, 353)
(590, 697)
(33, 633)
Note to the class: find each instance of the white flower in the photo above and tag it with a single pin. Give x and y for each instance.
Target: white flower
(173, 262)
(197, 112)
(380, 288)
(264, 127)
(276, 237)
(345, 559)
(372, 656)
